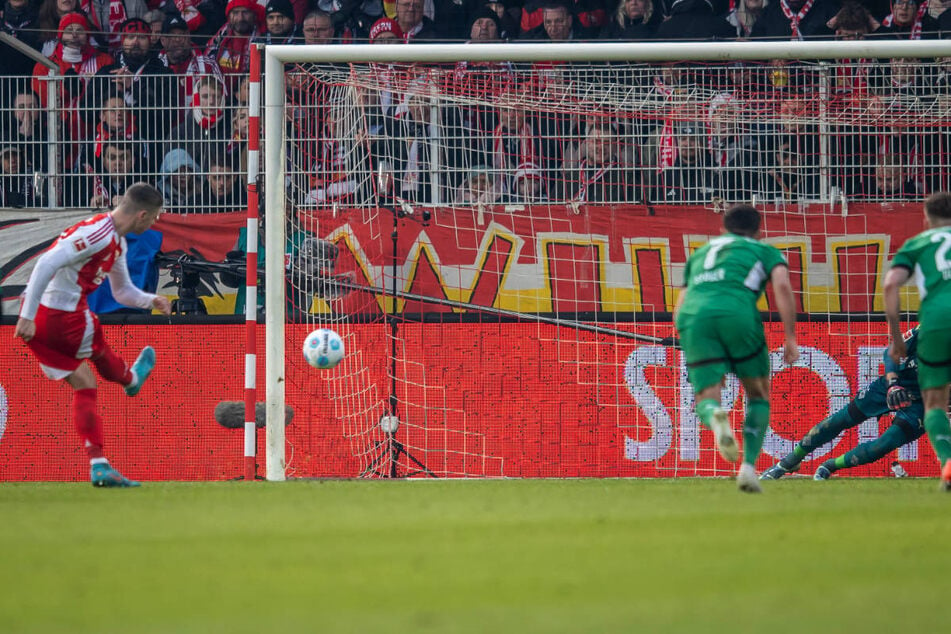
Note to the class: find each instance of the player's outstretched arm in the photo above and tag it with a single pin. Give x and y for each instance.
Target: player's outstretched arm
(786, 305)
(894, 279)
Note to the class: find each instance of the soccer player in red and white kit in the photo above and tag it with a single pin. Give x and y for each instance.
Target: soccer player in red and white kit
(61, 331)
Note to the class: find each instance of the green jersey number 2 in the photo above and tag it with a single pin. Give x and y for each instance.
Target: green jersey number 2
(941, 261)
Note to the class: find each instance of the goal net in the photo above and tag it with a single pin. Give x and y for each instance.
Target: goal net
(498, 233)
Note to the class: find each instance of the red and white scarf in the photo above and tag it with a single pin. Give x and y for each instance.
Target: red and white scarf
(915, 33)
(795, 18)
(103, 135)
(117, 15)
(587, 180)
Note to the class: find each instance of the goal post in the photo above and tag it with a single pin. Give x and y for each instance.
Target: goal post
(360, 254)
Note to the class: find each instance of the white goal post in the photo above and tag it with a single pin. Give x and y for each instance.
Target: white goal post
(275, 143)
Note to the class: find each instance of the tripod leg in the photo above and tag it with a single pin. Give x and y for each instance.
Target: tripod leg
(400, 449)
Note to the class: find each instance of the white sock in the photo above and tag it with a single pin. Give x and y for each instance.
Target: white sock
(93, 461)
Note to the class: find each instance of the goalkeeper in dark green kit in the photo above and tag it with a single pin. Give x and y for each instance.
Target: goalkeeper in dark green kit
(896, 390)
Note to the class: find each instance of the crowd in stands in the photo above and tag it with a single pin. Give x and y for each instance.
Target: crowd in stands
(158, 89)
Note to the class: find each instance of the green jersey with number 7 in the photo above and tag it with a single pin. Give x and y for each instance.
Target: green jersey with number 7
(728, 275)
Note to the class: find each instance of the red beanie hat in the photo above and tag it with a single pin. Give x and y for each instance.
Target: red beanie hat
(385, 25)
(74, 17)
(251, 6)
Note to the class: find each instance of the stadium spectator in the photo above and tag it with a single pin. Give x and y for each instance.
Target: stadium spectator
(596, 171)
(633, 20)
(26, 130)
(116, 122)
(690, 178)
(853, 22)
(16, 183)
(790, 173)
(385, 31)
(694, 20)
(230, 45)
(20, 21)
(109, 16)
(909, 20)
(734, 149)
(340, 169)
(155, 19)
(222, 189)
(485, 26)
(101, 185)
(891, 181)
(179, 182)
(207, 126)
(279, 27)
(795, 19)
(479, 188)
(529, 185)
(236, 149)
(47, 24)
(514, 142)
(318, 28)
(588, 17)
(413, 24)
(411, 137)
(558, 23)
(181, 57)
(77, 61)
(744, 15)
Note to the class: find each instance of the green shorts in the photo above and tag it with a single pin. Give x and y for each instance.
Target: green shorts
(934, 358)
(719, 344)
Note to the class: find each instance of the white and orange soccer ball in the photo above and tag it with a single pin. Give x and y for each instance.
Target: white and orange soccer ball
(323, 348)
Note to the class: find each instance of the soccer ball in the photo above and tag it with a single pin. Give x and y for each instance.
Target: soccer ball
(323, 348)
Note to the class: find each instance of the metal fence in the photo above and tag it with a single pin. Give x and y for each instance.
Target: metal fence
(492, 134)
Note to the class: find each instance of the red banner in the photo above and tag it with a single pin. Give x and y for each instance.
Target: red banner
(515, 400)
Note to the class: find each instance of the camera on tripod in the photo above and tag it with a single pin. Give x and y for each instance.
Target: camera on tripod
(185, 271)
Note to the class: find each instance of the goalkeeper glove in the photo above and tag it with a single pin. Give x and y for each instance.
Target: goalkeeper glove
(897, 397)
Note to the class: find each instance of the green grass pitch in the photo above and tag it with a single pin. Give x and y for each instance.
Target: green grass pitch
(476, 556)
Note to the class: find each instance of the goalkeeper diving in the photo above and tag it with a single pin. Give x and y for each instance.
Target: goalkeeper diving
(896, 391)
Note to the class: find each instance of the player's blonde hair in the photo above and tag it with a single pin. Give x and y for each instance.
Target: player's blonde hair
(141, 196)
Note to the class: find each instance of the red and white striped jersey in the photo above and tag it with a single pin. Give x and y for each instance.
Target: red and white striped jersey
(76, 264)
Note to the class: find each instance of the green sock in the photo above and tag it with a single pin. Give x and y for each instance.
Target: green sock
(754, 429)
(705, 409)
(939, 433)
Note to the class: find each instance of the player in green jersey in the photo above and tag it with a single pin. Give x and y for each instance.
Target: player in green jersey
(928, 256)
(721, 331)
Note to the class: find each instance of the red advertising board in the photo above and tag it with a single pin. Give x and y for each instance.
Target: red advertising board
(514, 400)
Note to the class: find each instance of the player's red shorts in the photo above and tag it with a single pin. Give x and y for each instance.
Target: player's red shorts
(64, 339)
